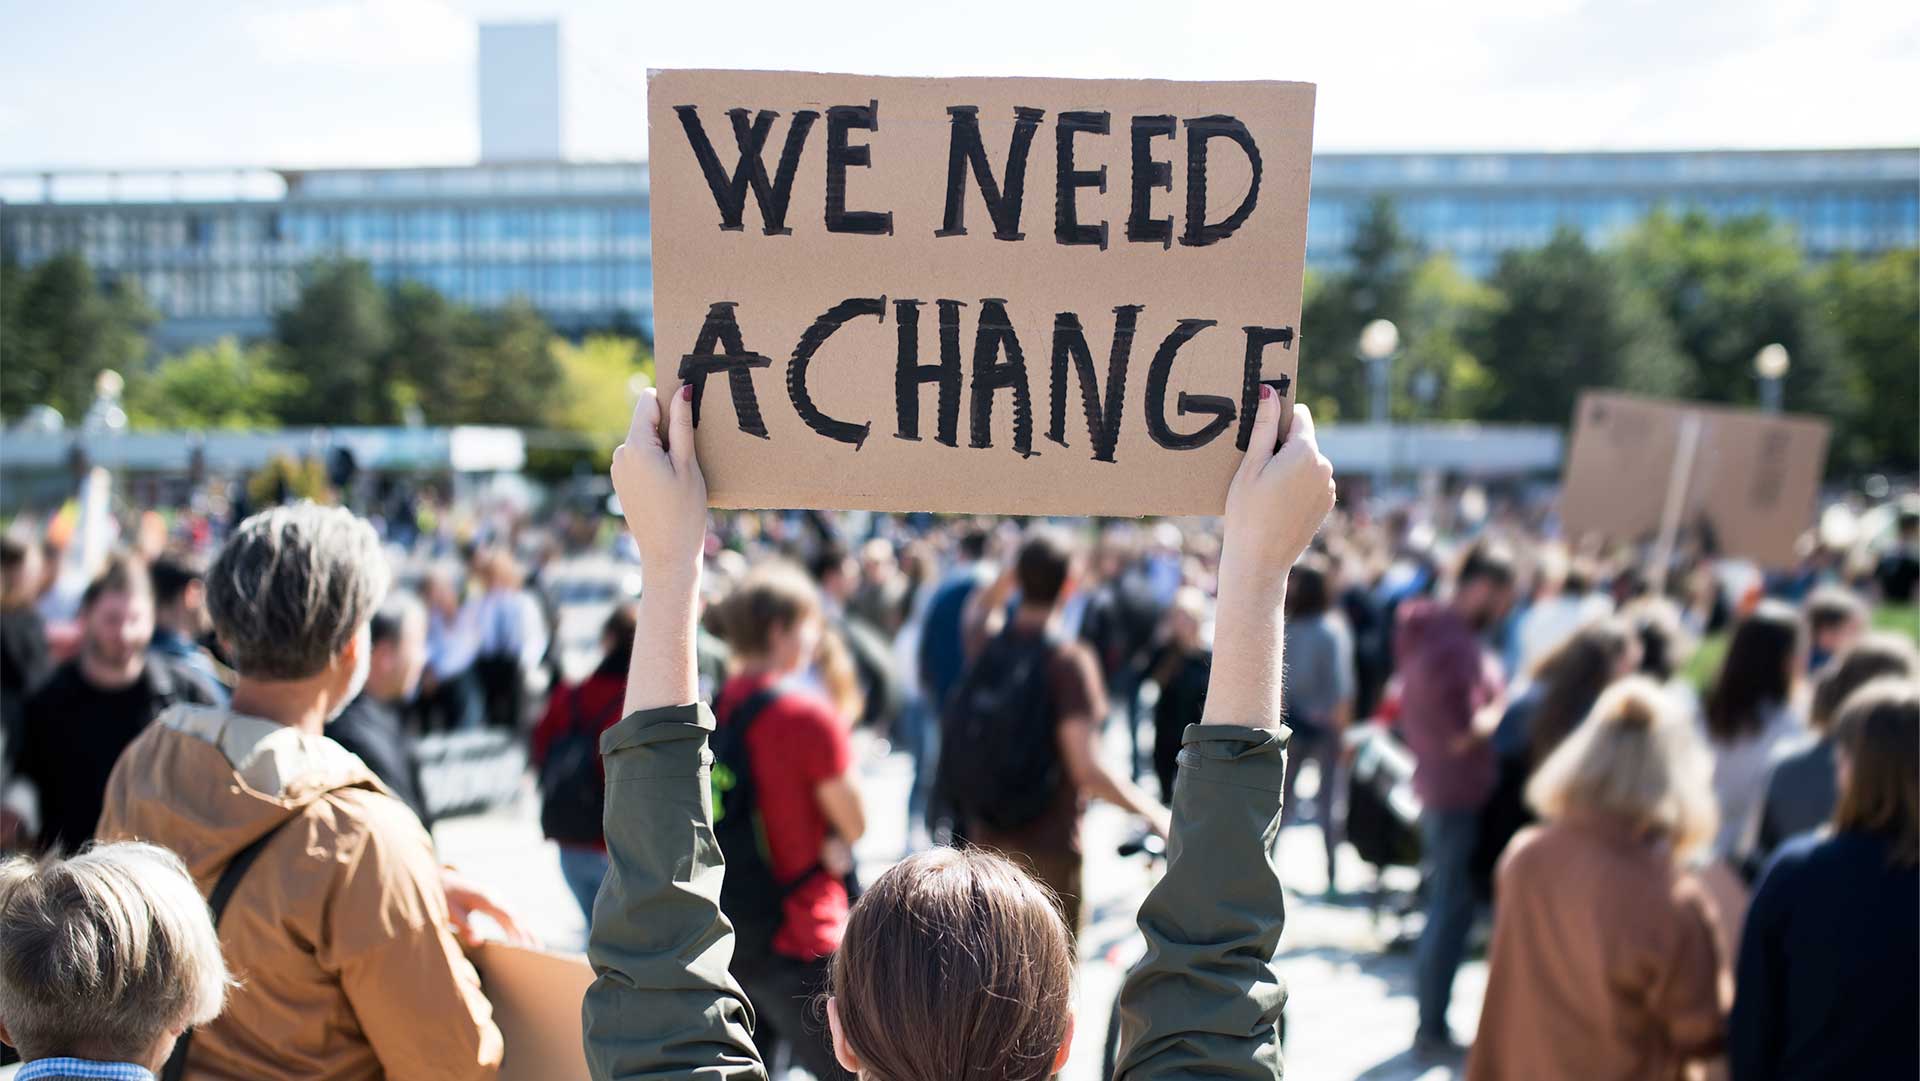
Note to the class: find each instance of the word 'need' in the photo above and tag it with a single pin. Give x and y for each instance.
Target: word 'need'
(998, 363)
(1003, 189)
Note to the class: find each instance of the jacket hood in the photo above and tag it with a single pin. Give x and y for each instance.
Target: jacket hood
(1425, 619)
(210, 782)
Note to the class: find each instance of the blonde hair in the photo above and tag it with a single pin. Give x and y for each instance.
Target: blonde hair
(1635, 757)
(105, 954)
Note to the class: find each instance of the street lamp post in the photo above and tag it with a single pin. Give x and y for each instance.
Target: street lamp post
(1378, 341)
(1770, 365)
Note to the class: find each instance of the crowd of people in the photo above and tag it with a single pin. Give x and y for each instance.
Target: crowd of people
(1672, 875)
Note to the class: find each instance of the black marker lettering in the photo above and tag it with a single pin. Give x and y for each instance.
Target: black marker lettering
(1068, 181)
(810, 343)
(1218, 406)
(909, 375)
(994, 336)
(1258, 338)
(1149, 174)
(840, 120)
(1103, 420)
(721, 329)
(964, 150)
(1201, 131)
(730, 193)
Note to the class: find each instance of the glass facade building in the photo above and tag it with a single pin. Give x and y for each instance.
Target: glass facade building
(217, 252)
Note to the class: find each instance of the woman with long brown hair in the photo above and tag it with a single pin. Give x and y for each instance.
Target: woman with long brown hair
(1826, 983)
(1751, 714)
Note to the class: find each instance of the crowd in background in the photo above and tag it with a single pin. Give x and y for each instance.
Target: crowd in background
(1674, 869)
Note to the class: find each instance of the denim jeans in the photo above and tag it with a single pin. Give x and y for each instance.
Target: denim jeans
(1448, 837)
(583, 868)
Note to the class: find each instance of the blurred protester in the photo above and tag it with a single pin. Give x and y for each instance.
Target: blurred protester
(453, 698)
(800, 755)
(106, 959)
(1826, 985)
(341, 916)
(1122, 617)
(1836, 618)
(93, 706)
(1181, 670)
(1564, 601)
(940, 657)
(513, 638)
(371, 725)
(180, 619)
(880, 597)
(1319, 698)
(1897, 574)
(1447, 676)
(1560, 692)
(1800, 791)
(566, 752)
(24, 660)
(1604, 965)
(1750, 714)
(852, 647)
(1020, 753)
(1665, 645)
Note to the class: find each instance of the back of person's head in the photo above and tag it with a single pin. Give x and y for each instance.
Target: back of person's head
(172, 577)
(292, 587)
(955, 964)
(973, 545)
(396, 611)
(616, 635)
(1877, 655)
(107, 956)
(1665, 644)
(1833, 608)
(1486, 563)
(1878, 733)
(1044, 566)
(1636, 758)
(773, 597)
(19, 571)
(1571, 677)
(830, 562)
(1762, 662)
(1309, 587)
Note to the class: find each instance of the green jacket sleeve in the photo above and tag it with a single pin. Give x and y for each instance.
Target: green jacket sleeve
(662, 1004)
(1205, 1000)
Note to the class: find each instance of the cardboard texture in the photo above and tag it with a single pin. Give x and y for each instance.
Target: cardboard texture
(1752, 486)
(536, 999)
(897, 248)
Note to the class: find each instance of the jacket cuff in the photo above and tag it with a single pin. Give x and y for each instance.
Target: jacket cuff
(1234, 754)
(649, 726)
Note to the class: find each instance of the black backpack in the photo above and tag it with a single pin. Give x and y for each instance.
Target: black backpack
(573, 798)
(999, 752)
(753, 900)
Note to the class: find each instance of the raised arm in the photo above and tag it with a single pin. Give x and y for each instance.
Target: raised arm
(1206, 999)
(662, 1004)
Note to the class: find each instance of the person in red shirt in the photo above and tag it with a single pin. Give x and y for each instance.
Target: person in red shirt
(594, 701)
(802, 761)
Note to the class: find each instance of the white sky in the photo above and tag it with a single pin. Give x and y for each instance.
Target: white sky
(387, 82)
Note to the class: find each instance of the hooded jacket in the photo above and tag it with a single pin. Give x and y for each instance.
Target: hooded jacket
(338, 934)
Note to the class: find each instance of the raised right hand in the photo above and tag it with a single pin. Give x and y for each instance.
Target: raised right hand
(662, 493)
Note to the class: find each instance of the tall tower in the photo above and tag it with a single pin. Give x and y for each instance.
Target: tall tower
(520, 91)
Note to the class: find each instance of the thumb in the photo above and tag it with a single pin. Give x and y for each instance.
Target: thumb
(1266, 432)
(1302, 432)
(680, 428)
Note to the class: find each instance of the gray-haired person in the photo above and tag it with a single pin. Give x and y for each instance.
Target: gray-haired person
(341, 922)
(105, 959)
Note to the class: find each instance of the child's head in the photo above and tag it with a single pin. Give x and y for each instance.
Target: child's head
(107, 956)
(955, 964)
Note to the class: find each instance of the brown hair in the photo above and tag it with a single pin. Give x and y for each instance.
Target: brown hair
(1043, 566)
(1309, 587)
(1879, 731)
(123, 574)
(772, 595)
(1878, 654)
(1571, 678)
(955, 964)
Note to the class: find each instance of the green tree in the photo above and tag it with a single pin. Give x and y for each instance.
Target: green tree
(1567, 318)
(507, 373)
(427, 353)
(1728, 288)
(1375, 282)
(337, 340)
(595, 397)
(1437, 373)
(1874, 307)
(213, 386)
(61, 330)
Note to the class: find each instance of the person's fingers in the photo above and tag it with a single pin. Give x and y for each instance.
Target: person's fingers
(680, 428)
(1266, 432)
(1302, 431)
(645, 429)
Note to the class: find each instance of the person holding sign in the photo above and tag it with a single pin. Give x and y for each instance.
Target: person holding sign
(953, 964)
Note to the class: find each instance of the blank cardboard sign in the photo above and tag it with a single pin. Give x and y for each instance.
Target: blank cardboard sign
(536, 999)
(1751, 487)
(991, 295)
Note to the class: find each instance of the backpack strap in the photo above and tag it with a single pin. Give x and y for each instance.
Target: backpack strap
(743, 716)
(230, 877)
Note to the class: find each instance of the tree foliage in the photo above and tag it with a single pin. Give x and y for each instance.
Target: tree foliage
(1874, 305)
(214, 386)
(596, 396)
(59, 329)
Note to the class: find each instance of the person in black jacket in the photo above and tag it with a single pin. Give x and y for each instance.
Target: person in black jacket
(370, 726)
(23, 638)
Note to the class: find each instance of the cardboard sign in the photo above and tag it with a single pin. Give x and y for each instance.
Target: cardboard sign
(536, 999)
(990, 295)
(1744, 482)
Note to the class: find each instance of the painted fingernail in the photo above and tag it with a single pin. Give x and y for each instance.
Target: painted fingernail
(686, 392)
(1266, 393)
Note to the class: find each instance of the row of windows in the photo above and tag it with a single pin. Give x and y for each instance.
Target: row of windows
(1611, 169)
(242, 292)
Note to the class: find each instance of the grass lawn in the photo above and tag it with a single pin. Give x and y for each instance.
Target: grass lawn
(1705, 663)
